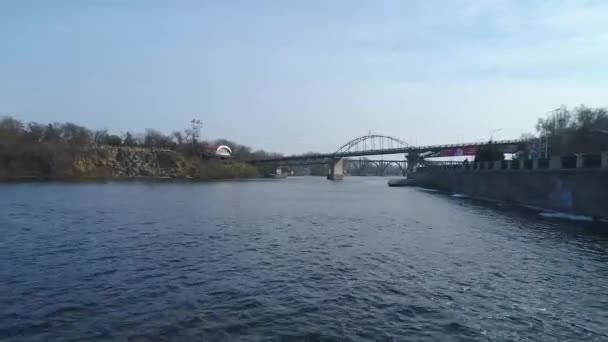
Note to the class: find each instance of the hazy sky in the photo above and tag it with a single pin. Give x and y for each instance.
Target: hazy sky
(295, 76)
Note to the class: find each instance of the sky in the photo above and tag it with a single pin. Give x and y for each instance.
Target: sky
(298, 76)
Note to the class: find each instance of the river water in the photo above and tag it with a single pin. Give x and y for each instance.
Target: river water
(300, 259)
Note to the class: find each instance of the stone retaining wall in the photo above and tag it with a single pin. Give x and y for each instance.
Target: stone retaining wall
(577, 189)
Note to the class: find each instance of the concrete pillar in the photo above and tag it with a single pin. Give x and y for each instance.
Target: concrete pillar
(604, 160)
(412, 161)
(580, 161)
(336, 170)
(510, 164)
(535, 163)
(522, 164)
(555, 162)
(497, 165)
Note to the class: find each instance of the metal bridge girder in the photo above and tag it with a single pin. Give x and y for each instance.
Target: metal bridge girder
(373, 144)
(370, 142)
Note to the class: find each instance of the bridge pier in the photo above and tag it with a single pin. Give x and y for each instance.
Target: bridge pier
(336, 169)
(412, 161)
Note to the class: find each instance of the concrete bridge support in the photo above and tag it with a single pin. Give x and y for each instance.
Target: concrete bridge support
(412, 161)
(336, 169)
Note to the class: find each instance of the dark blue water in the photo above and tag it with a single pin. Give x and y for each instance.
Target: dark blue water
(300, 259)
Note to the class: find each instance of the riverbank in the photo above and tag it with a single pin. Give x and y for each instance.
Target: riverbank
(84, 180)
(577, 192)
(118, 163)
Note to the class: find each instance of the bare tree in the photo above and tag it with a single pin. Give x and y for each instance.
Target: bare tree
(154, 138)
(129, 139)
(100, 137)
(178, 137)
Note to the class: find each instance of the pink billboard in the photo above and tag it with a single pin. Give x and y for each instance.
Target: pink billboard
(459, 151)
(471, 151)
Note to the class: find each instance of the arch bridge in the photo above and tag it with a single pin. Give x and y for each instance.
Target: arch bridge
(374, 167)
(376, 145)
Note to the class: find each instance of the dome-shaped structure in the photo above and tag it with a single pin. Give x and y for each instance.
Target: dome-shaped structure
(223, 151)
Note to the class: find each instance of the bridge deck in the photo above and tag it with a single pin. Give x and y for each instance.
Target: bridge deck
(326, 157)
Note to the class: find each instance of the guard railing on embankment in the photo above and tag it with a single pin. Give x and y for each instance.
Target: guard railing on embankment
(569, 162)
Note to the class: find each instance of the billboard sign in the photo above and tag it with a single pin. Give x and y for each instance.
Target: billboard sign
(471, 151)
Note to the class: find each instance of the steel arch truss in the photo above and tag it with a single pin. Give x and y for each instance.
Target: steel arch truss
(370, 143)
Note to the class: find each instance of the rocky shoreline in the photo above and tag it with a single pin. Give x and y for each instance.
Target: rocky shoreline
(123, 163)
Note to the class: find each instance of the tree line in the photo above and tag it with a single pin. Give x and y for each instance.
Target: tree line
(563, 132)
(53, 150)
(578, 130)
(17, 135)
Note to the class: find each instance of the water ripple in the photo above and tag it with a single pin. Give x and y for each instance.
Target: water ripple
(296, 260)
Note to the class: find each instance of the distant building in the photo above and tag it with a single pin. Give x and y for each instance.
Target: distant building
(223, 151)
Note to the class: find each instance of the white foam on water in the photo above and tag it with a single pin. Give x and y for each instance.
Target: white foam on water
(566, 216)
(427, 189)
(459, 195)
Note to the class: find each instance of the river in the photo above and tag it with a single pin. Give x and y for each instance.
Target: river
(300, 259)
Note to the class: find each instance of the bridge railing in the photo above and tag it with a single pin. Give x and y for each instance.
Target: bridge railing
(568, 162)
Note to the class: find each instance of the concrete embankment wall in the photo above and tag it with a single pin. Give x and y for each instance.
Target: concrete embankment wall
(576, 191)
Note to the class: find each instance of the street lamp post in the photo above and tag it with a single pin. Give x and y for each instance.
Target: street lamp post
(494, 131)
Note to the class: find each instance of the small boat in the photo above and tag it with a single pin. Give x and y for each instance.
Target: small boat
(402, 182)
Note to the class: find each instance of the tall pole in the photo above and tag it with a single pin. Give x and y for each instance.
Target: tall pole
(492, 133)
(196, 130)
